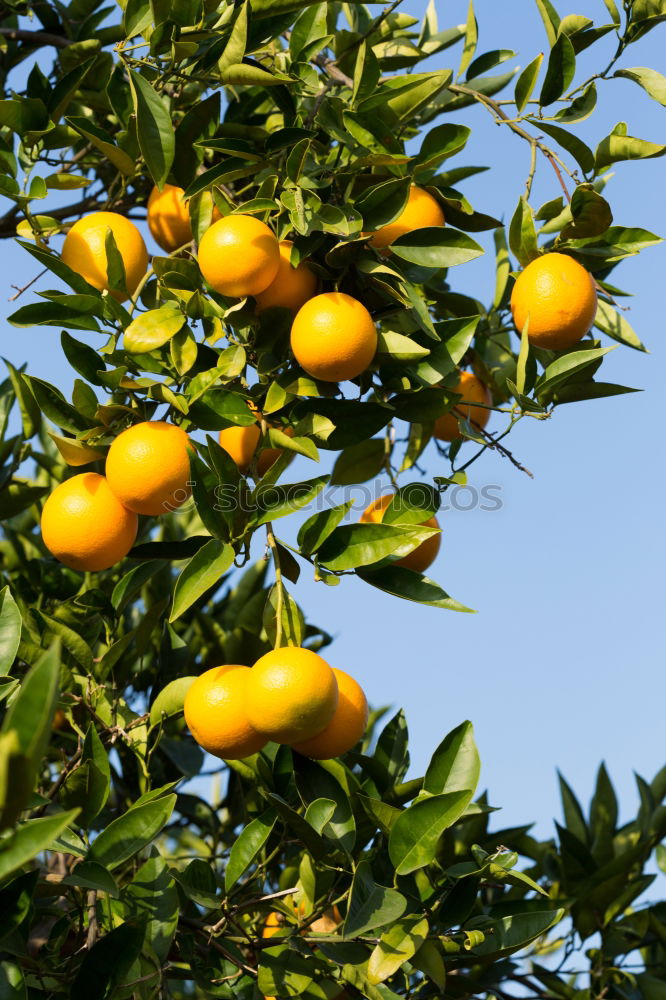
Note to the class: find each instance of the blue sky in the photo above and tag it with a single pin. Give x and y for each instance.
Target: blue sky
(563, 664)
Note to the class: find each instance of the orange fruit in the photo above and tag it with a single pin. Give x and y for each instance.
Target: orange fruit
(559, 297)
(333, 337)
(291, 287)
(327, 923)
(216, 716)
(85, 526)
(169, 218)
(345, 728)
(84, 250)
(239, 255)
(292, 694)
(420, 212)
(241, 443)
(473, 391)
(148, 467)
(424, 554)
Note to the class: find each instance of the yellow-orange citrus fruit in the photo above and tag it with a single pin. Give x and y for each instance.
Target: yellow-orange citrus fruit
(292, 694)
(239, 255)
(421, 211)
(84, 250)
(424, 554)
(169, 218)
(473, 392)
(559, 298)
(85, 526)
(241, 443)
(148, 467)
(291, 287)
(216, 715)
(345, 728)
(333, 337)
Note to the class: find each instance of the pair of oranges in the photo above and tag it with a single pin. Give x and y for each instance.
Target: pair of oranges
(90, 521)
(291, 696)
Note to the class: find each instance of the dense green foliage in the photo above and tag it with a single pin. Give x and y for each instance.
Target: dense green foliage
(117, 879)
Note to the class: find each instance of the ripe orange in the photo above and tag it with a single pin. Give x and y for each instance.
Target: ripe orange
(292, 694)
(216, 716)
(327, 923)
(148, 467)
(239, 255)
(424, 554)
(291, 287)
(85, 526)
(241, 443)
(169, 218)
(84, 250)
(473, 391)
(333, 337)
(560, 299)
(347, 725)
(420, 212)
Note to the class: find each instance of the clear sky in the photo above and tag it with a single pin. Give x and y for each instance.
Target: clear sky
(563, 665)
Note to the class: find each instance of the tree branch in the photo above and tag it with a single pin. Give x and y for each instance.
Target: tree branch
(35, 37)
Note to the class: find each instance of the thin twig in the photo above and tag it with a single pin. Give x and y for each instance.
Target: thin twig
(272, 544)
(503, 119)
(20, 291)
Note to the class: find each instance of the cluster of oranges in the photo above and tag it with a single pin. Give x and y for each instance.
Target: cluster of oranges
(90, 521)
(291, 696)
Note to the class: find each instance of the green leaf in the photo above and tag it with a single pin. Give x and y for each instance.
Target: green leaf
(89, 875)
(436, 247)
(358, 463)
(396, 946)
(133, 830)
(54, 406)
(471, 37)
(509, 934)
(523, 357)
(395, 347)
(613, 324)
(273, 502)
(353, 545)
(10, 630)
(246, 847)
(235, 48)
(619, 146)
(87, 787)
(31, 416)
(314, 843)
(154, 128)
(170, 700)
(411, 586)
(652, 82)
(562, 368)
(383, 203)
(455, 765)
(107, 963)
(413, 503)
(293, 621)
(581, 153)
(370, 905)
(28, 721)
(12, 983)
(560, 71)
(550, 18)
(319, 526)
(317, 779)
(153, 329)
(204, 570)
(415, 834)
(104, 142)
(526, 82)
(580, 108)
(429, 959)
(522, 234)
(152, 898)
(29, 839)
(611, 7)
(591, 214)
(440, 143)
(251, 75)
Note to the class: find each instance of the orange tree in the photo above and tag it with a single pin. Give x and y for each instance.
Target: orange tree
(238, 125)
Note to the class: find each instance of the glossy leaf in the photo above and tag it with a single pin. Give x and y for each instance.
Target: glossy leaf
(125, 836)
(370, 905)
(416, 833)
(203, 571)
